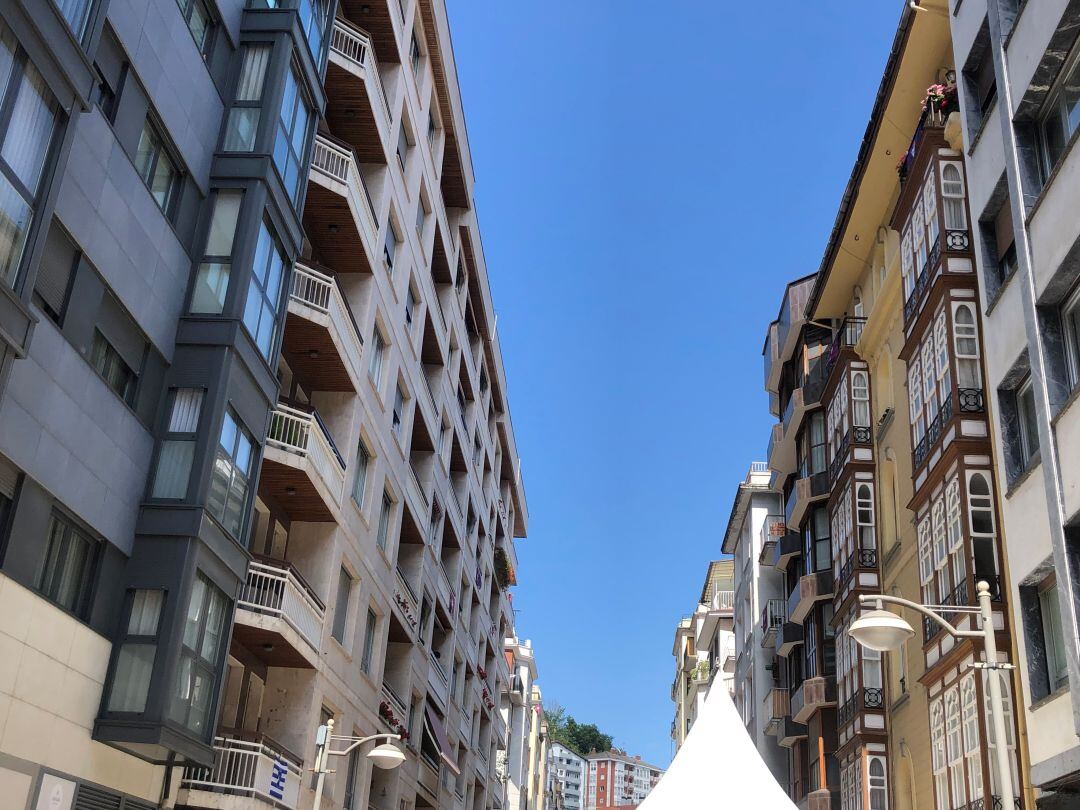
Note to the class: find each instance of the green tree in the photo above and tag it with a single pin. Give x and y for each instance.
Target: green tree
(580, 737)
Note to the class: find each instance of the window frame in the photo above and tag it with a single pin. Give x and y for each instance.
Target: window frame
(1055, 105)
(164, 148)
(126, 637)
(87, 574)
(1027, 444)
(1069, 314)
(206, 46)
(242, 432)
(210, 669)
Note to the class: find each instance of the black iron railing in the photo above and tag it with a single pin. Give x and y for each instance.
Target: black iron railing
(846, 337)
(957, 598)
(922, 281)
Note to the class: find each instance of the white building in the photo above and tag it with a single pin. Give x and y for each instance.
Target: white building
(754, 528)
(1018, 66)
(566, 773)
(518, 712)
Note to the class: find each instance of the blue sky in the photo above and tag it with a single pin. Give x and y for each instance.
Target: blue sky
(649, 176)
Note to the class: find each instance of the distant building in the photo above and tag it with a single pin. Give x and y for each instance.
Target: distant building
(566, 772)
(614, 779)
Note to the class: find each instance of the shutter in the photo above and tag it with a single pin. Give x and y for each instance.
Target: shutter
(93, 798)
(54, 275)
(9, 477)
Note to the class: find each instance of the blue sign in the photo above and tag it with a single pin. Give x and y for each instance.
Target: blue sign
(278, 776)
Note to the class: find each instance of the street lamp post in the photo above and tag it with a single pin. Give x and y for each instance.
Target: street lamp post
(385, 756)
(883, 630)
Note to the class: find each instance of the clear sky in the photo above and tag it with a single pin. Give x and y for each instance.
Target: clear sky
(649, 176)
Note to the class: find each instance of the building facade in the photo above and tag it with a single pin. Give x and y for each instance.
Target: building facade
(567, 772)
(516, 764)
(617, 780)
(245, 306)
(754, 527)
(1017, 65)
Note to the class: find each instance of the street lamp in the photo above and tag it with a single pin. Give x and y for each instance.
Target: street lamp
(883, 630)
(386, 756)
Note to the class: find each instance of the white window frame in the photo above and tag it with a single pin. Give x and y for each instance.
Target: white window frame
(954, 197)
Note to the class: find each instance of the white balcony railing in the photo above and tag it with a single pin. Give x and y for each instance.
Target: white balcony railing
(354, 45)
(277, 591)
(321, 293)
(248, 768)
(723, 601)
(338, 163)
(300, 433)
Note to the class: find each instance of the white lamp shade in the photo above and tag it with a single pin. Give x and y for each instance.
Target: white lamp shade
(881, 630)
(386, 756)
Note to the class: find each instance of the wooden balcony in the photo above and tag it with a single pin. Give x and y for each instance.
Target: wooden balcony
(357, 109)
(302, 469)
(339, 214)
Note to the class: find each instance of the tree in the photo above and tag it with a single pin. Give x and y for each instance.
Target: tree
(580, 737)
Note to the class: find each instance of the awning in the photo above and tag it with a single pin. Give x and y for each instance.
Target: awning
(434, 726)
(718, 759)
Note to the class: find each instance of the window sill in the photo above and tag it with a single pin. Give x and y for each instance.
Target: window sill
(982, 128)
(1074, 395)
(1043, 701)
(992, 301)
(1016, 483)
(1050, 178)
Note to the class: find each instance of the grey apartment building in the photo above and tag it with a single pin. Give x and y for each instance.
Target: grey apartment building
(257, 468)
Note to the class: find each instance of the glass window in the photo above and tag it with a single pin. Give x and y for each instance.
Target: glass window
(385, 515)
(117, 374)
(1070, 317)
(369, 641)
(231, 477)
(290, 145)
(860, 397)
(178, 447)
(156, 168)
(969, 714)
(966, 338)
(138, 646)
(1062, 114)
(212, 279)
(1057, 668)
(952, 192)
(313, 18)
(403, 142)
(243, 123)
(341, 605)
(415, 56)
(199, 22)
(70, 560)
(203, 640)
(76, 13)
(398, 413)
(390, 245)
(27, 136)
(375, 362)
(363, 462)
(264, 290)
(410, 306)
(1028, 422)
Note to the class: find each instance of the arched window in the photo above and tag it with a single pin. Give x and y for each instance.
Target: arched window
(969, 713)
(918, 426)
(864, 507)
(929, 201)
(981, 526)
(941, 345)
(929, 380)
(926, 561)
(860, 399)
(907, 269)
(937, 755)
(878, 789)
(941, 550)
(966, 337)
(952, 192)
(955, 747)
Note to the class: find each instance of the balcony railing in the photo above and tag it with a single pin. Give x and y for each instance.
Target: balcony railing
(862, 558)
(965, 400)
(353, 44)
(927, 273)
(338, 162)
(846, 337)
(276, 590)
(303, 434)
(772, 616)
(321, 292)
(771, 531)
(258, 769)
(957, 598)
(870, 698)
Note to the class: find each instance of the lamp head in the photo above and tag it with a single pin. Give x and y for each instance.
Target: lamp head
(386, 756)
(881, 630)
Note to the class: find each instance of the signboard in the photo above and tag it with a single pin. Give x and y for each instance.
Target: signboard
(55, 793)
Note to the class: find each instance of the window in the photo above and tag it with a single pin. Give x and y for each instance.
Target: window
(199, 22)
(1070, 321)
(1010, 741)
(1028, 422)
(864, 508)
(363, 462)
(411, 303)
(117, 374)
(200, 651)
(415, 56)
(860, 398)
(341, 606)
(70, 560)
(421, 216)
(212, 279)
(812, 446)
(243, 123)
(937, 755)
(981, 82)
(966, 338)
(231, 475)
(314, 15)
(969, 715)
(138, 646)
(930, 211)
(369, 641)
(1061, 114)
(155, 167)
(264, 289)
(981, 519)
(432, 128)
(385, 515)
(27, 136)
(952, 193)
(375, 362)
(390, 246)
(907, 264)
(76, 13)
(398, 412)
(178, 447)
(879, 790)
(1004, 244)
(818, 542)
(403, 143)
(1053, 637)
(290, 145)
(954, 747)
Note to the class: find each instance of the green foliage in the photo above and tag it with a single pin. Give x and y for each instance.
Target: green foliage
(580, 737)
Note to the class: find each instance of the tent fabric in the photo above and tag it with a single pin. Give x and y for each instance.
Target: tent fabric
(718, 766)
(438, 734)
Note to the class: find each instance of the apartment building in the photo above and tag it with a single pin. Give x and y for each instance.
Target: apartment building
(617, 780)
(538, 754)
(567, 772)
(288, 487)
(517, 763)
(704, 649)
(755, 525)
(1017, 66)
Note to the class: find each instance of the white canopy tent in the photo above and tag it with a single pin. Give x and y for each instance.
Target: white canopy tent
(718, 766)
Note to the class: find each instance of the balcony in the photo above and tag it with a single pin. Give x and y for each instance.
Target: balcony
(407, 603)
(438, 681)
(321, 343)
(339, 214)
(789, 732)
(254, 768)
(789, 635)
(962, 401)
(869, 699)
(812, 695)
(771, 531)
(722, 605)
(808, 489)
(856, 445)
(787, 548)
(357, 107)
(302, 468)
(811, 588)
(845, 339)
(777, 706)
(772, 617)
(279, 618)
(859, 570)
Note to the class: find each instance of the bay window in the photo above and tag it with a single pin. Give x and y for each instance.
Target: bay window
(937, 755)
(954, 747)
(878, 788)
(212, 278)
(860, 398)
(966, 345)
(130, 684)
(264, 289)
(291, 142)
(203, 639)
(243, 122)
(178, 447)
(930, 208)
(969, 714)
(231, 476)
(981, 523)
(952, 195)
